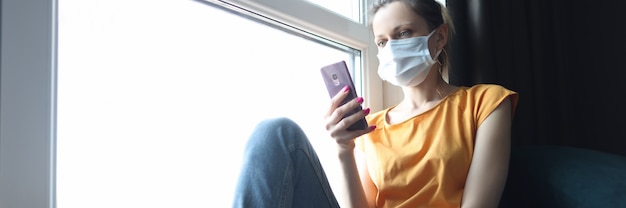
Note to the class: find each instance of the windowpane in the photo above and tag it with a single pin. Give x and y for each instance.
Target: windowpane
(348, 8)
(156, 99)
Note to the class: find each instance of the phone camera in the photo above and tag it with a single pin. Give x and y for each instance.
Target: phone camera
(334, 76)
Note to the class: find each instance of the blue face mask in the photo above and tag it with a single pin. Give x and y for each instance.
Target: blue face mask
(406, 62)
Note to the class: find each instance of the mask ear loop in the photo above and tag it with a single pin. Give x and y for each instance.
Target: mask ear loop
(439, 62)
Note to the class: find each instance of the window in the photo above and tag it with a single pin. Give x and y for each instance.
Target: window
(28, 81)
(349, 8)
(156, 98)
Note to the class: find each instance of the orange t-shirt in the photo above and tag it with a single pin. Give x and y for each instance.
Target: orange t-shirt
(424, 161)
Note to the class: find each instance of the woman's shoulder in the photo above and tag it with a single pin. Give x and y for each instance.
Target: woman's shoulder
(479, 92)
(488, 88)
(488, 96)
(377, 118)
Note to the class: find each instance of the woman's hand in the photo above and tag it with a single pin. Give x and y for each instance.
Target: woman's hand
(337, 125)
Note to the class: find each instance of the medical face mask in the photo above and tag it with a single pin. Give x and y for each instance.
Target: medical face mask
(406, 62)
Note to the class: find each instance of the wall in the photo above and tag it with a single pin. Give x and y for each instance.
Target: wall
(26, 103)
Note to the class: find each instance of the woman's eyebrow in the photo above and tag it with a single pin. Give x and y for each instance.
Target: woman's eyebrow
(397, 27)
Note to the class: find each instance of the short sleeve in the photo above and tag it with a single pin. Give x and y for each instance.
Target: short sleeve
(487, 97)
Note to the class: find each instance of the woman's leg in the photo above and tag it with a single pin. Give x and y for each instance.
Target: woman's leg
(281, 169)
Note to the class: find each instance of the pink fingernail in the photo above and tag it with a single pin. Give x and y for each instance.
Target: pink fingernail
(366, 111)
(372, 127)
(359, 100)
(346, 88)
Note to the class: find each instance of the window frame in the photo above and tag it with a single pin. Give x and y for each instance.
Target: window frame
(27, 103)
(313, 19)
(28, 55)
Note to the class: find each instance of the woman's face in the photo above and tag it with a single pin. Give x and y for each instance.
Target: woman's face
(397, 21)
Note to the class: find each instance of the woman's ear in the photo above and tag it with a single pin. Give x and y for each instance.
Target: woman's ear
(442, 36)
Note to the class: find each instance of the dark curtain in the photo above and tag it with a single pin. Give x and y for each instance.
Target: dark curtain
(566, 59)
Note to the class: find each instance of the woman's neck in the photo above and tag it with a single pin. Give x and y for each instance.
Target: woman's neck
(426, 94)
(418, 100)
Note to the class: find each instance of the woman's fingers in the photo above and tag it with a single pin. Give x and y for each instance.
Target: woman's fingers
(339, 131)
(345, 110)
(335, 101)
(331, 116)
(338, 118)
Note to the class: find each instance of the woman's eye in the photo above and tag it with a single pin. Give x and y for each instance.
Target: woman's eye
(381, 43)
(403, 34)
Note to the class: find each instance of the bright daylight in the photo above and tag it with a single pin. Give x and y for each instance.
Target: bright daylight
(155, 99)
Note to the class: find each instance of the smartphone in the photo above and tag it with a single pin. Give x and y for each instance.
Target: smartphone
(336, 76)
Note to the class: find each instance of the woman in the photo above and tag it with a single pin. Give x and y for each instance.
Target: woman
(441, 146)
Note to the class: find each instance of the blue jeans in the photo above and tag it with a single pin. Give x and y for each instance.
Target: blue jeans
(281, 169)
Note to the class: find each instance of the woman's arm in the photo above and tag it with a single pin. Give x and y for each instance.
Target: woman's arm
(358, 186)
(366, 181)
(337, 126)
(490, 163)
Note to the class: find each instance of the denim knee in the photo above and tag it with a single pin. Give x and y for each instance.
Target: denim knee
(277, 123)
(276, 133)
